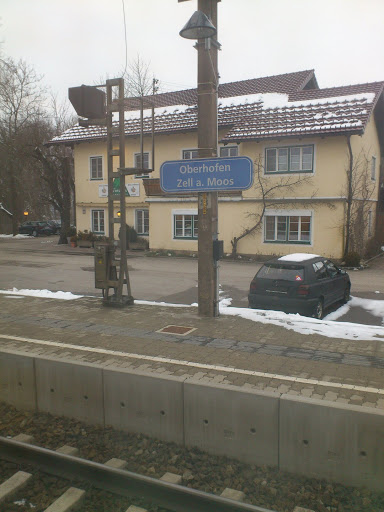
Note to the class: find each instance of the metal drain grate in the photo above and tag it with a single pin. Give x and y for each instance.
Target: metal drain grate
(179, 330)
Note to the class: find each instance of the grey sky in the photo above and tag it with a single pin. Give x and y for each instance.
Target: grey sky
(79, 41)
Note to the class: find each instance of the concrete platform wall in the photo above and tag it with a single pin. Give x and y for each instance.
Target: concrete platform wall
(337, 442)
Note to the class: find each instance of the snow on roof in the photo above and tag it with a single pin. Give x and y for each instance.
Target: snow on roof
(298, 257)
(268, 100)
(254, 116)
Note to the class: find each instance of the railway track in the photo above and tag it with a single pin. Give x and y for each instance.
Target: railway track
(165, 492)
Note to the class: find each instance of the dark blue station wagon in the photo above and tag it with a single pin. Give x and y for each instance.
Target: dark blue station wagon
(299, 283)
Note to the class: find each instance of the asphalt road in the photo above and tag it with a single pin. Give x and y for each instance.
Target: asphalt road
(39, 263)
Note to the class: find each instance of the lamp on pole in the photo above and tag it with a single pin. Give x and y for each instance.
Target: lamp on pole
(203, 27)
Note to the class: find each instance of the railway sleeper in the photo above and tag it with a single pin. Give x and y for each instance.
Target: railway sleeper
(63, 463)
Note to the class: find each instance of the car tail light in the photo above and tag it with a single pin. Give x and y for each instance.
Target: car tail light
(253, 286)
(303, 289)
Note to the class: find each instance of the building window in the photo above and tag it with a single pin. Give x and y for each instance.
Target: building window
(373, 168)
(188, 154)
(288, 229)
(142, 222)
(185, 226)
(98, 224)
(96, 167)
(227, 151)
(144, 165)
(289, 159)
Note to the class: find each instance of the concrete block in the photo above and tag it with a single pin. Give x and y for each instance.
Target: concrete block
(68, 450)
(144, 402)
(117, 463)
(70, 500)
(232, 494)
(171, 478)
(17, 380)
(70, 389)
(338, 442)
(236, 422)
(14, 484)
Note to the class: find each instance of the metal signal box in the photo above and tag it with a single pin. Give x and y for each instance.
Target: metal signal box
(88, 101)
(103, 255)
(218, 250)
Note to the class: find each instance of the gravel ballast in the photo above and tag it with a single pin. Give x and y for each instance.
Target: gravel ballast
(263, 486)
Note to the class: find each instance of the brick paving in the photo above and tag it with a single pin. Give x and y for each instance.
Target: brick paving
(227, 350)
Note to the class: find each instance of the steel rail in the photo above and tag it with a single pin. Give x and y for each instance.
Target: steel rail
(124, 483)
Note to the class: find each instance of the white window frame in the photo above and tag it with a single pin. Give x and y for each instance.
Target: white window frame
(90, 168)
(99, 211)
(141, 229)
(184, 151)
(135, 157)
(289, 159)
(182, 212)
(373, 168)
(229, 148)
(289, 213)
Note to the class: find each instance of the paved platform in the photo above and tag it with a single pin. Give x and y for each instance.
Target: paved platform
(227, 349)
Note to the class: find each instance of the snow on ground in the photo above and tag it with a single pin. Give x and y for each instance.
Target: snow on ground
(16, 236)
(328, 327)
(306, 325)
(45, 294)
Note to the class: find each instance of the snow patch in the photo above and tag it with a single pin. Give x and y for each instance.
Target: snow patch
(309, 326)
(269, 100)
(16, 236)
(45, 294)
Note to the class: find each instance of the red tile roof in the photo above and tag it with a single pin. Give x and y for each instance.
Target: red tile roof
(300, 112)
(284, 84)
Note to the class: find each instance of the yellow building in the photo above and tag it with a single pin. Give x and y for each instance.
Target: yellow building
(305, 143)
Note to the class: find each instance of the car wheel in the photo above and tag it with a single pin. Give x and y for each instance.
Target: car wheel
(319, 310)
(347, 294)
(34, 233)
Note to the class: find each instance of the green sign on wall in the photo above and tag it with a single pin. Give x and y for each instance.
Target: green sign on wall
(116, 188)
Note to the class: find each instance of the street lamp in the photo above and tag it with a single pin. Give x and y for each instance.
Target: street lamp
(198, 27)
(201, 26)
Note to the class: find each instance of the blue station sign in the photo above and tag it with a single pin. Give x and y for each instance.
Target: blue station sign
(206, 174)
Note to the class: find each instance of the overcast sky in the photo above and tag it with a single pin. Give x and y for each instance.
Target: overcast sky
(74, 42)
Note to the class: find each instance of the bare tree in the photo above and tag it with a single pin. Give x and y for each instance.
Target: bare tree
(359, 193)
(55, 167)
(139, 81)
(271, 194)
(22, 99)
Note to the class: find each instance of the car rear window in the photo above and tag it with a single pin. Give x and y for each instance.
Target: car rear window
(283, 272)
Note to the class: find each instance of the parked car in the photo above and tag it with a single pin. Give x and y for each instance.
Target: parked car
(299, 283)
(55, 225)
(35, 228)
